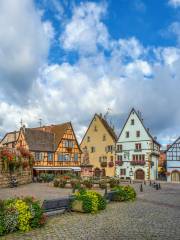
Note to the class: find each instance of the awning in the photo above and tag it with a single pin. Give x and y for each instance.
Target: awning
(75, 169)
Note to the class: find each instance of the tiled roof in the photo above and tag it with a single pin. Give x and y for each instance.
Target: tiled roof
(39, 140)
(58, 131)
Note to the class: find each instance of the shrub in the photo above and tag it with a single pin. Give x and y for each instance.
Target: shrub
(75, 183)
(20, 214)
(24, 215)
(62, 183)
(56, 183)
(102, 184)
(124, 193)
(113, 182)
(88, 183)
(91, 201)
(46, 177)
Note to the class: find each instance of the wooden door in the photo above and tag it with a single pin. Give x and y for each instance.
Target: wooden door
(175, 177)
(139, 174)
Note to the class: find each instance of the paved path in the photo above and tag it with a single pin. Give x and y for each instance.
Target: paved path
(154, 215)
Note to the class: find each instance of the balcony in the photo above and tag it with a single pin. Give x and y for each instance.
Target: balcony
(57, 163)
(140, 163)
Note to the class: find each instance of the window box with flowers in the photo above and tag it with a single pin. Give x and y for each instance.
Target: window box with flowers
(111, 164)
(119, 162)
(141, 163)
(103, 164)
(14, 159)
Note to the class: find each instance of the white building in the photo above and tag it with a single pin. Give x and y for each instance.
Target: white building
(173, 162)
(137, 152)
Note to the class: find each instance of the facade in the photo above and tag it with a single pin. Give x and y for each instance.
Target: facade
(9, 139)
(137, 152)
(173, 162)
(55, 148)
(98, 148)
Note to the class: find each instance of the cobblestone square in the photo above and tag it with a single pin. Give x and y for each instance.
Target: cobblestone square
(154, 215)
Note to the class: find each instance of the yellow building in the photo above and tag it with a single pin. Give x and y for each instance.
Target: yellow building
(99, 144)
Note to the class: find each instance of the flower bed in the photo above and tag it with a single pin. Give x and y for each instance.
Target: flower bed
(88, 201)
(20, 215)
(124, 193)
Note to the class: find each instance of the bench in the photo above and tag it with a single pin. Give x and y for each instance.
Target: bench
(55, 206)
(109, 195)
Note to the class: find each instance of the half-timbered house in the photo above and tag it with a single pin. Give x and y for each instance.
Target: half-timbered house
(55, 148)
(173, 161)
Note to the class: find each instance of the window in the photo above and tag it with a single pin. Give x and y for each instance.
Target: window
(38, 156)
(138, 146)
(127, 134)
(92, 149)
(109, 148)
(60, 157)
(68, 144)
(104, 137)
(119, 157)
(123, 172)
(65, 143)
(76, 157)
(50, 156)
(132, 121)
(88, 139)
(119, 147)
(111, 158)
(66, 157)
(95, 128)
(137, 133)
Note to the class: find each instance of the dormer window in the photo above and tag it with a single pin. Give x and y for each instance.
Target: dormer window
(132, 121)
(127, 134)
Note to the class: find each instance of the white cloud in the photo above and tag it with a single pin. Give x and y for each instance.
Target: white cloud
(23, 47)
(174, 3)
(85, 31)
(93, 83)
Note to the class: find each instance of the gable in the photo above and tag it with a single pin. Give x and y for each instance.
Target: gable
(97, 128)
(132, 129)
(70, 135)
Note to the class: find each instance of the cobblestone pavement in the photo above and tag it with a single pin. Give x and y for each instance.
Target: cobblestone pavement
(40, 191)
(154, 215)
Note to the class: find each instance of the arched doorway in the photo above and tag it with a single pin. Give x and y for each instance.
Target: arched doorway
(139, 174)
(175, 176)
(97, 172)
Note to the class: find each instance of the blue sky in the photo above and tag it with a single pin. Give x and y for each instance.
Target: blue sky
(146, 20)
(65, 60)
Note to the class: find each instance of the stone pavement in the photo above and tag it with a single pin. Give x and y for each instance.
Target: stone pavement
(154, 215)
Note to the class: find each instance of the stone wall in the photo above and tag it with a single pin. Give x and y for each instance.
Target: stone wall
(22, 177)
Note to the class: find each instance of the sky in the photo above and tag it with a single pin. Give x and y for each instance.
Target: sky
(65, 60)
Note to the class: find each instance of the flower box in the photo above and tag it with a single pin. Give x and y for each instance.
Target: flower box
(111, 164)
(119, 162)
(103, 164)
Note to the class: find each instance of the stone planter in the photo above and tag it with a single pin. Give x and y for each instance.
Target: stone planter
(77, 206)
